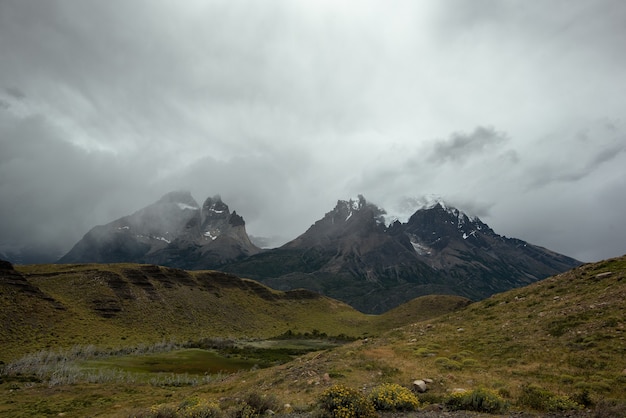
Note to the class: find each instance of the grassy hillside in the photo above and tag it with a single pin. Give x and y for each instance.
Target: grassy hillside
(563, 336)
(126, 304)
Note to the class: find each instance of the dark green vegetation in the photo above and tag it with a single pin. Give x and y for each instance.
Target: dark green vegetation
(192, 361)
(554, 345)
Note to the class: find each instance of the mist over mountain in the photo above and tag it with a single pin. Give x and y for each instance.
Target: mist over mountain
(174, 231)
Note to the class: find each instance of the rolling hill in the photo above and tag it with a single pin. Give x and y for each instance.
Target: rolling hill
(542, 347)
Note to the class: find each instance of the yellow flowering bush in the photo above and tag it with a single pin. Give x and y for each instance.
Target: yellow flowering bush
(340, 401)
(393, 397)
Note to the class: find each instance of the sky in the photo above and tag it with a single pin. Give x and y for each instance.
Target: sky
(511, 110)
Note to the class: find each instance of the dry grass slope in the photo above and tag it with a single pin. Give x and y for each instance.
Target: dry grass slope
(566, 334)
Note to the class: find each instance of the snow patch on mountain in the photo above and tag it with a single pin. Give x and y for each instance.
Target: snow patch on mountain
(184, 206)
(466, 236)
(419, 248)
(348, 207)
(211, 235)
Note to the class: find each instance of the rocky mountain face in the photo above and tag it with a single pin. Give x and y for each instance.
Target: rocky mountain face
(174, 231)
(352, 255)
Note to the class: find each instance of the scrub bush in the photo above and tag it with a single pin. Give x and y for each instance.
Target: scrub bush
(343, 402)
(479, 400)
(189, 408)
(541, 399)
(393, 397)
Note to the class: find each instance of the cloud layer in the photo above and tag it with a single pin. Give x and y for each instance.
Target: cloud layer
(512, 110)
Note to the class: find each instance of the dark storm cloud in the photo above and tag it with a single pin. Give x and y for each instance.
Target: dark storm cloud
(53, 191)
(15, 92)
(583, 159)
(460, 146)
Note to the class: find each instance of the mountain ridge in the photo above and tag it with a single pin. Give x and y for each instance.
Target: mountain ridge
(350, 254)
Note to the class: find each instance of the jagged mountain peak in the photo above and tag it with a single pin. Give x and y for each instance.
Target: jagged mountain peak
(236, 220)
(352, 203)
(442, 205)
(345, 210)
(215, 203)
(214, 208)
(444, 219)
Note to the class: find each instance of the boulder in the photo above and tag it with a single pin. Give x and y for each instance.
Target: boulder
(419, 386)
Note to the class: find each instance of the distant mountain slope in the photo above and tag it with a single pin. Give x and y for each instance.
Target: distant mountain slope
(174, 231)
(120, 304)
(352, 255)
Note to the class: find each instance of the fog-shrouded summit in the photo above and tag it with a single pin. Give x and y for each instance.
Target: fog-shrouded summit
(173, 231)
(351, 254)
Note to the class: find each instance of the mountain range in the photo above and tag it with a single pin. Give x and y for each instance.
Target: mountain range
(350, 254)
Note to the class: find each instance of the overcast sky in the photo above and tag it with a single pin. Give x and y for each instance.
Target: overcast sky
(513, 111)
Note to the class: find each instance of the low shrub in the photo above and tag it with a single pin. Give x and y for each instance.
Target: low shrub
(447, 364)
(479, 400)
(541, 399)
(469, 363)
(393, 397)
(189, 408)
(425, 352)
(260, 404)
(253, 405)
(340, 401)
(157, 411)
(583, 398)
(199, 408)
